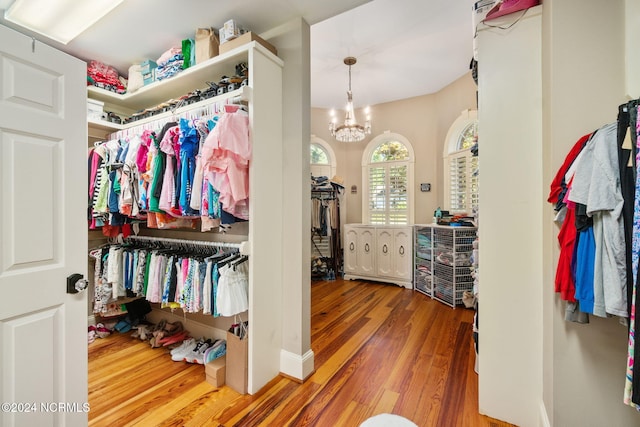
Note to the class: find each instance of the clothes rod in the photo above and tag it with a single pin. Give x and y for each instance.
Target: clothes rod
(242, 246)
(206, 107)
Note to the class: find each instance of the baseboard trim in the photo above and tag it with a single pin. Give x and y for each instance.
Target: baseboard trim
(397, 282)
(544, 417)
(295, 366)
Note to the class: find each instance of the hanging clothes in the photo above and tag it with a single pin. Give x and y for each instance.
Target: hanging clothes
(632, 379)
(596, 184)
(225, 155)
(232, 296)
(596, 194)
(172, 178)
(174, 279)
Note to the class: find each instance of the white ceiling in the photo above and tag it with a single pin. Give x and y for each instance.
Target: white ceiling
(404, 48)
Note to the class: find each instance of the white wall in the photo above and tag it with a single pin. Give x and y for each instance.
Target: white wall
(511, 203)
(585, 82)
(543, 370)
(292, 40)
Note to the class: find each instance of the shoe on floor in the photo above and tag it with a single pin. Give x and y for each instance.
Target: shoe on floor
(197, 354)
(218, 349)
(178, 353)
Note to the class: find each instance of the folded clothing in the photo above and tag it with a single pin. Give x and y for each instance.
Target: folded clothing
(104, 76)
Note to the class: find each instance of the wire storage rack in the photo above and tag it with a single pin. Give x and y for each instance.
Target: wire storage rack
(442, 267)
(423, 259)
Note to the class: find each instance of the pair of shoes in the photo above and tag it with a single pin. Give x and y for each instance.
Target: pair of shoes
(191, 351)
(123, 326)
(172, 339)
(164, 330)
(218, 349)
(143, 332)
(178, 353)
(197, 354)
(99, 331)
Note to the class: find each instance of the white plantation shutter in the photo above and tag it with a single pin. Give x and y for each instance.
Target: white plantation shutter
(460, 166)
(458, 179)
(388, 199)
(387, 180)
(473, 187)
(377, 195)
(397, 213)
(463, 183)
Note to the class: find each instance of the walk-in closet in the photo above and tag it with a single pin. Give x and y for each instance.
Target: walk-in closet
(198, 232)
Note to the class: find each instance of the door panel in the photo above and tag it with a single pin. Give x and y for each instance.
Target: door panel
(402, 254)
(34, 87)
(350, 250)
(385, 252)
(366, 251)
(22, 186)
(43, 232)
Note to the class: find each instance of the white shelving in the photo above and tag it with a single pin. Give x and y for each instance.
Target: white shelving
(192, 78)
(264, 95)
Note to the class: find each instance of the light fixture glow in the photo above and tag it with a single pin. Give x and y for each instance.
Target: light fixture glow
(350, 131)
(60, 20)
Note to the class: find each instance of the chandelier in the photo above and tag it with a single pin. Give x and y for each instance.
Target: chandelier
(350, 130)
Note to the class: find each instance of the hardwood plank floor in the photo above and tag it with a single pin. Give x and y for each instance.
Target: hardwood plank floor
(378, 348)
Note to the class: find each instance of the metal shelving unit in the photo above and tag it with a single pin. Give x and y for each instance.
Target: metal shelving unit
(442, 267)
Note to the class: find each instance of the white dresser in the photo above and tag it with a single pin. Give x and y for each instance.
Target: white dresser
(379, 252)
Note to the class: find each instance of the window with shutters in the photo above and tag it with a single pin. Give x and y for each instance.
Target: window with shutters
(388, 176)
(322, 158)
(461, 165)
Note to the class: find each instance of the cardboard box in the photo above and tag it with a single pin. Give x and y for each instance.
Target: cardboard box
(244, 39)
(237, 369)
(215, 371)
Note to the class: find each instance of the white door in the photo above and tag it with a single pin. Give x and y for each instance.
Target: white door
(43, 237)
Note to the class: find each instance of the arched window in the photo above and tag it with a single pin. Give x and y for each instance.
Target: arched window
(460, 165)
(387, 171)
(323, 159)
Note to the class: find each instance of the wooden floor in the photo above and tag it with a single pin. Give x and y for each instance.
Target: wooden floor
(378, 349)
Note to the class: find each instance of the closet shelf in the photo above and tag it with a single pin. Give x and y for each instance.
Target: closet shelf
(186, 81)
(104, 125)
(123, 300)
(242, 94)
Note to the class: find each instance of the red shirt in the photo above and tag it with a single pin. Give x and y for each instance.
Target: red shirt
(564, 282)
